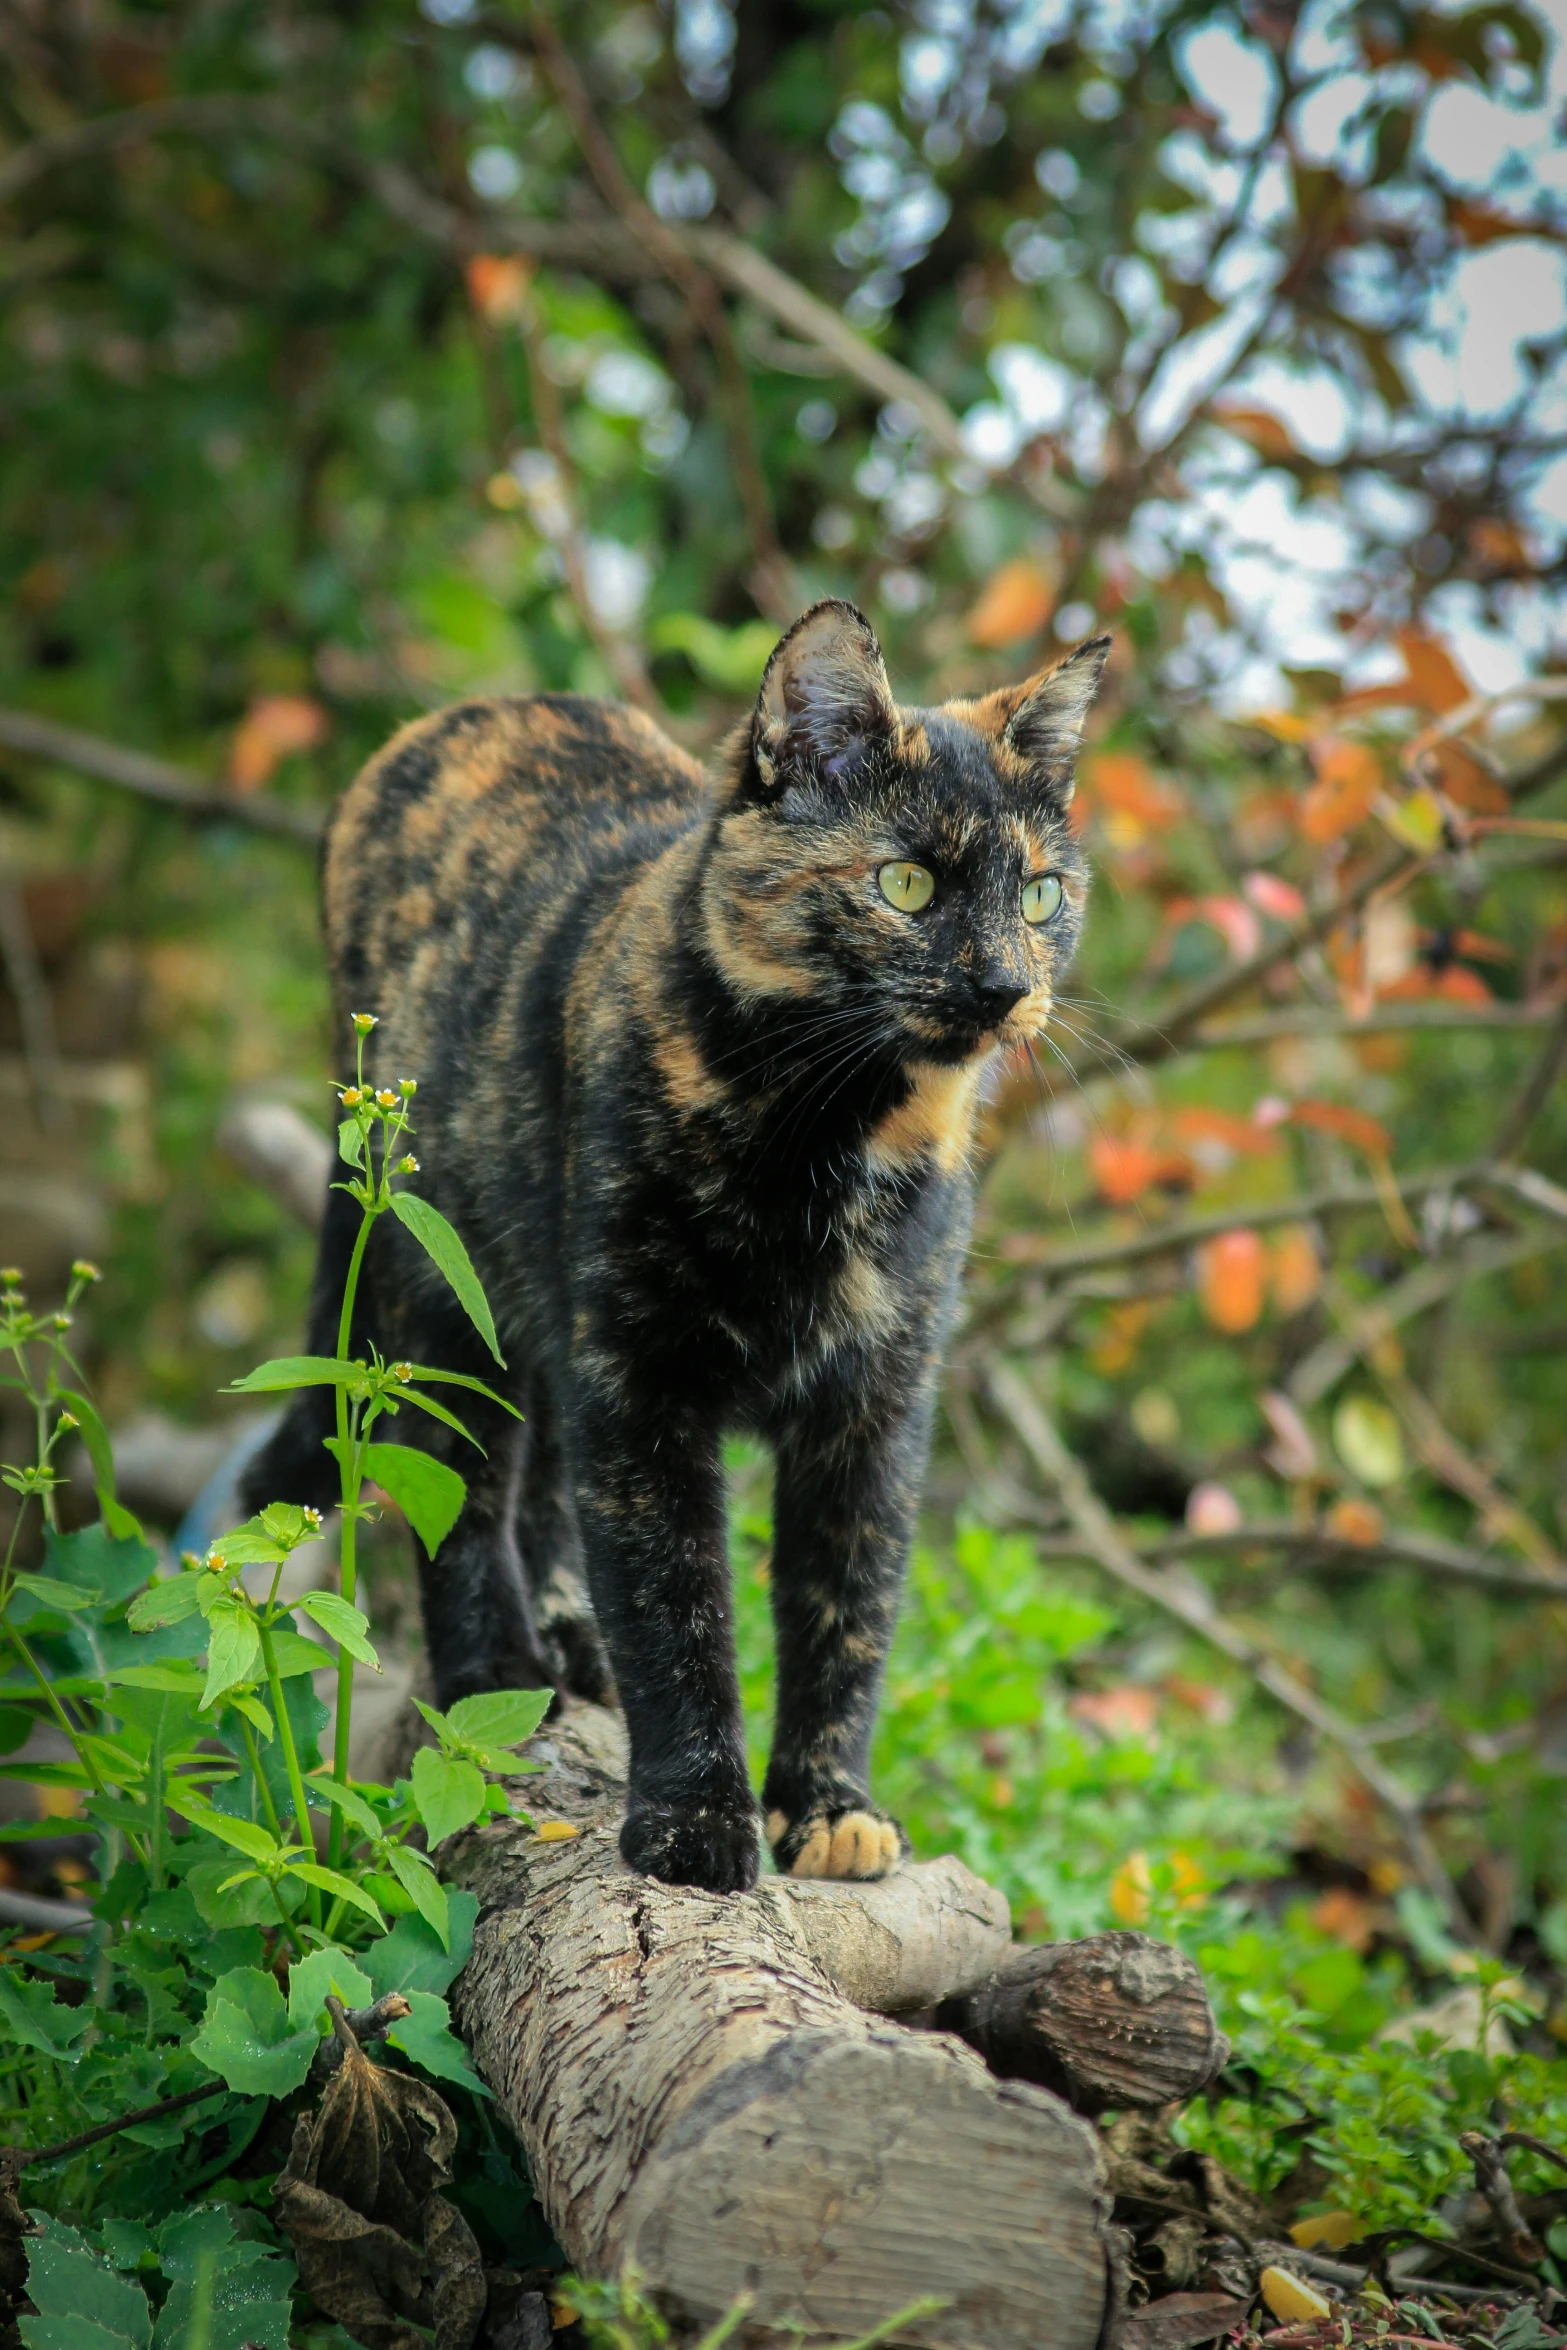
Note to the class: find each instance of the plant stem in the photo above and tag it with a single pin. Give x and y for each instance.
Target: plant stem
(262, 1789)
(285, 1731)
(348, 1467)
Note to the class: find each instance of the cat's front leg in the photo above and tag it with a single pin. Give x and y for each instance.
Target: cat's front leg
(849, 1477)
(649, 1494)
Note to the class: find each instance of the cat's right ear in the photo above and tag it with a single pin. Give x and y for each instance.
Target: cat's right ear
(824, 693)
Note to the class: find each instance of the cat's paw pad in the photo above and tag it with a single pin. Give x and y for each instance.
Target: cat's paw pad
(692, 1844)
(859, 1842)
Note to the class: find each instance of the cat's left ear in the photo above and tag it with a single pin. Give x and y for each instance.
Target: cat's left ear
(824, 691)
(1046, 728)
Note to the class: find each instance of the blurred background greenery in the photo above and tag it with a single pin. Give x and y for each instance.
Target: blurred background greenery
(358, 356)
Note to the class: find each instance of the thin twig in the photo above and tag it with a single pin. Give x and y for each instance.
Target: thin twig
(23, 2157)
(1426, 1286)
(771, 583)
(1382, 1019)
(36, 1914)
(1490, 2169)
(618, 654)
(1536, 1091)
(1157, 1239)
(1317, 1547)
(1157, 1039)
(154, 779)
(1183, 1597)
(35, 1013)
(1435, 1443)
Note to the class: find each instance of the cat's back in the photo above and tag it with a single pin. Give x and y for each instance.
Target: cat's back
(490, 813)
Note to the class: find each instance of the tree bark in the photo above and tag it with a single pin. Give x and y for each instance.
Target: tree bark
(700, 2094)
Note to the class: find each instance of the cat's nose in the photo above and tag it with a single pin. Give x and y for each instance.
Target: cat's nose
(995, 994)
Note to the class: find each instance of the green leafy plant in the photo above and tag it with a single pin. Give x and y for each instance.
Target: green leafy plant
(243, 1878)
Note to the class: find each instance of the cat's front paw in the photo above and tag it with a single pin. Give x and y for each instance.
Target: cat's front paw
(853, 1840)
(692, 1844)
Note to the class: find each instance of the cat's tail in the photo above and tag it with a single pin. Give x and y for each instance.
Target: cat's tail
(294, 1465)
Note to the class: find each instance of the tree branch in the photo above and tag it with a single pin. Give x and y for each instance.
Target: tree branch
(1183, 1597)
(1416, 1293)
(771, 582)
(1152, 1040)
(1382, 1019)
(154, 779)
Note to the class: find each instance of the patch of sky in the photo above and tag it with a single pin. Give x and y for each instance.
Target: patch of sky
(493, 72)
(618, 578)
(704, 48)
(1235, 79)
(624, 383)
(681, 189)
(494, 173)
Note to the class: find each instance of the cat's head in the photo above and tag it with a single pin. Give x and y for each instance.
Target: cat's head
(912, 869)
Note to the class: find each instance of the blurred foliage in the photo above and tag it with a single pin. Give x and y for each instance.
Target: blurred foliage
(338, 376)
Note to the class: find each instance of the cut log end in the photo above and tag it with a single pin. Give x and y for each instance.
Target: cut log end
(1116, 2021)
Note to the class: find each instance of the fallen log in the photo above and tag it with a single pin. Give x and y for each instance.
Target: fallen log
(717, 2092)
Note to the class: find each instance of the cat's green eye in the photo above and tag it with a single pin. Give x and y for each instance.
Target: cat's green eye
(1041, 898)
(908, 887)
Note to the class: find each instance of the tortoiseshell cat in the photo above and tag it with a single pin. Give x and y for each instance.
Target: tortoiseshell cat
(698, 1068)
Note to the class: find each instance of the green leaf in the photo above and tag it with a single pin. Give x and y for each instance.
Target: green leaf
(167, 1602)
(438, 1411)
(499, 1717)
(224, 1905)
(32, 2017)
(293, 1654)
(246, 1836)
(310, 1979)
(353, 1806)
(427, 2039)
(350, 1143)
(100, 1452)
(423, 1373)
(446, 1252)
(71, 2286)
(343, 1621)
(410, 1958)
(249, 1545)
(246, 2304)
(286, 1371)
(245, 2036)
(429, 1494)
(340, 1887)
(16, 1725)
(177, 1675)
(67, 1598)
(420, 1882)
(449, 1792)
(233, 1648)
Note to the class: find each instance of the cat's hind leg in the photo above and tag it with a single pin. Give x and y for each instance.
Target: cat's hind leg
(551, 1553)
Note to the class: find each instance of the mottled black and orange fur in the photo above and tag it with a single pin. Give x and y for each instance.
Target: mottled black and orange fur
(700, 1101)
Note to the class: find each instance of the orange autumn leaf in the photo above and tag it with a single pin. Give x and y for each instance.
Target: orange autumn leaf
(1131, 1710)
(1455, 770)
(1127, 1166)
(272, 729)
(1440, 685)
(1344, 1915)
(1461, 985)
(1259, 428)
(1356, 1127)
(1231, 1273)
(1295, 1274)
(1131, 1890)
(1198, 1124)
(1127, 786)
(1349, 777)
(1499, 545)
(1017, 601)
(497, 284)
(1356, 1521)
